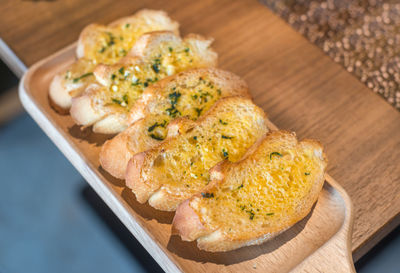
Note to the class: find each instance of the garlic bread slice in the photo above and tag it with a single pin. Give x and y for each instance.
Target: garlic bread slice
(122, 84)
(190, 93)
(104, 44)
(253, 200)
(178, 167)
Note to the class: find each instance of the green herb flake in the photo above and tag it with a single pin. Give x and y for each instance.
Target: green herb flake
(82, 76)
(170, 49)
(225, 153)
(269, 214)
(275, 153)
(198, 111)
(121, 70)
(226, 137)
(195, 137)
(156, 137)
(241, 186)
(113, 76)
(101, 50)
(125, 98)
(223, 122)
(307, 173)
(156, 124)
(207, 195)
(127, 25)
(251, 214)
(187, 50)
(219, 91)
(117, 101)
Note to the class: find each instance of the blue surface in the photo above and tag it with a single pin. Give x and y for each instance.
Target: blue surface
(45, 225)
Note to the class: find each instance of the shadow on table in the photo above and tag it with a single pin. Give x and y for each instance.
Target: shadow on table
(134, 248)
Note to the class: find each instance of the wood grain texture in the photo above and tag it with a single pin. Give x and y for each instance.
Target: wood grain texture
(318, 243)
(299, 87)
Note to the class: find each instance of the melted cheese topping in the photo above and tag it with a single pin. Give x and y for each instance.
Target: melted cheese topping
(184, 161)
(264, 195)
(127, 82)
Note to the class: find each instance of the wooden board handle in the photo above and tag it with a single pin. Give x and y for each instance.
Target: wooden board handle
(335, 255)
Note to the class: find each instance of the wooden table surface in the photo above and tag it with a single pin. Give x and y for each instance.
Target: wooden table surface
(302, 88)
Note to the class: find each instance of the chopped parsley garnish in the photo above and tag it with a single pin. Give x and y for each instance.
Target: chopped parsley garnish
(111, 39)
(269, 214)
(173, 112)
(156, 124)
(121, 70)
(174, 97)
(226, 137)
(127, 25)
(198, 111)
(156, 65)
(307, 173)
(223, 122)
(117, 101)
(113, 76)
(156, 137)
(274, 153)
(241, 186)
(170, 49)
(194, 97)
(187, 50)
(102, 49)
(225, 153)
(219, 91)
(251, 214)
(207, 195)
(82, 76)
(195, 137)
(145, 84)
(125, 98)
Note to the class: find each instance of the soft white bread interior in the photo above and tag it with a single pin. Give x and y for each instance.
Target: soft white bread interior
(190, 93)
(178, 167)
(122, 84)
(253, 200)
(104, 44)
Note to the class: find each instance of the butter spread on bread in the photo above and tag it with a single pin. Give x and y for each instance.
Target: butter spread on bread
(177, 168)
(190, 93)
(106, 105)
(252, 200)
(104, 44)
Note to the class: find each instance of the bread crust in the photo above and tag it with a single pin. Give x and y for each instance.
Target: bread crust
(115, 153)
(188, 226)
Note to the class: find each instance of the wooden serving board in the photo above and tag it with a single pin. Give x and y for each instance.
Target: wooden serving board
(320, 242)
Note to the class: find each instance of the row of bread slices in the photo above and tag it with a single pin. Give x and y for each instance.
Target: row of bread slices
(190, 138)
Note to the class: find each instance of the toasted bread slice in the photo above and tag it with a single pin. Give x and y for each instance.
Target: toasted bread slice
(190, 93)
(178, 167)
(107, 44)
(162, 54)
(104, 44)
(253, 200)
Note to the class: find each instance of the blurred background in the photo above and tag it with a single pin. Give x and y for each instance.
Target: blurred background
(52, 221)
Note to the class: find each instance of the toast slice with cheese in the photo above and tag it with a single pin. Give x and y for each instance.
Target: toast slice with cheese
(190, 93)
(104, 44)
(107, 104)
(256, 198)
(178, 167)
